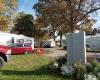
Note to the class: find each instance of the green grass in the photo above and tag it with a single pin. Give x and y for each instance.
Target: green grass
(91, 50)
(28, 67)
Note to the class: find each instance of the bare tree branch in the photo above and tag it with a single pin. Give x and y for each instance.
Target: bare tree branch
(92, 10)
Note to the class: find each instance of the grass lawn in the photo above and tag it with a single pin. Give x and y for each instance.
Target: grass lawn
(91, 50)
(28, 67)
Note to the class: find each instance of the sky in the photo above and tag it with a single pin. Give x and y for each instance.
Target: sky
(97, 17)
(26, 6)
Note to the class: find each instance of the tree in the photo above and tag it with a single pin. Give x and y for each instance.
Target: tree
(24, 24)
(39, 31)
(40, 11)
(94, 31)
(7, 8)
(66, 12)
(65, 15)
(88, 29)
(3, 23)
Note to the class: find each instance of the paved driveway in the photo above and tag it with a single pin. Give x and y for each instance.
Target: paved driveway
(54, 52)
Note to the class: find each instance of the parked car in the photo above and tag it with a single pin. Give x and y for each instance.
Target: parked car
(21, 48)
(5, 52)
(45, 44)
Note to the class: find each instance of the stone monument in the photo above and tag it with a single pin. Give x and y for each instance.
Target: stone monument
(76, 47)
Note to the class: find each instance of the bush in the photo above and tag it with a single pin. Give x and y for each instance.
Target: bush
(89, 68)
(67, 70)
(77, 71)
(90, 77)
(61, 60)
(96, 70)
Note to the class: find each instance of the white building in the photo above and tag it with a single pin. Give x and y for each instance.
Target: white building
(93, 42)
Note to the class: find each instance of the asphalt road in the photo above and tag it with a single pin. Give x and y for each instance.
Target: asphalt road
(55, 52)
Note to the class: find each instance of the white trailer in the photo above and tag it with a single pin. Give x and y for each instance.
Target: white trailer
(6, 39)
(29, 40)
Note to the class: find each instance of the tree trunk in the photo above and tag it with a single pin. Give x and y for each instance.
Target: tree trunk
(60, 39)
(71, 23)
(54, 36)
(53, 31)
(38, 40)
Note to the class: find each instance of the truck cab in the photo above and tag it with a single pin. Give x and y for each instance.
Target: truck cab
(5, 52)
(21, 48)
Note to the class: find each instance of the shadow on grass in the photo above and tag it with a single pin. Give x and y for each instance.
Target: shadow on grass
(96, 51)
(44, 70)
(60, 49)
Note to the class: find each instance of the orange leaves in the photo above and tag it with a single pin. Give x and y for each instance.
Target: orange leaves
(3, 25)
(1, 1)
(39, 21)
(1, 5)
(62, 6)
(2, 22)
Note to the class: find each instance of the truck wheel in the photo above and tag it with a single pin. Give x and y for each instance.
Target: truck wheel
(1, 61)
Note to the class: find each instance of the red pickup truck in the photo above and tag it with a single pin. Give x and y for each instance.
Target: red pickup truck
(21, 48)
(5, 52)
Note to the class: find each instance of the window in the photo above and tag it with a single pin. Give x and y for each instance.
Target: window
(20, 40)
(19, 45)
(27, 45)
(29, 41)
